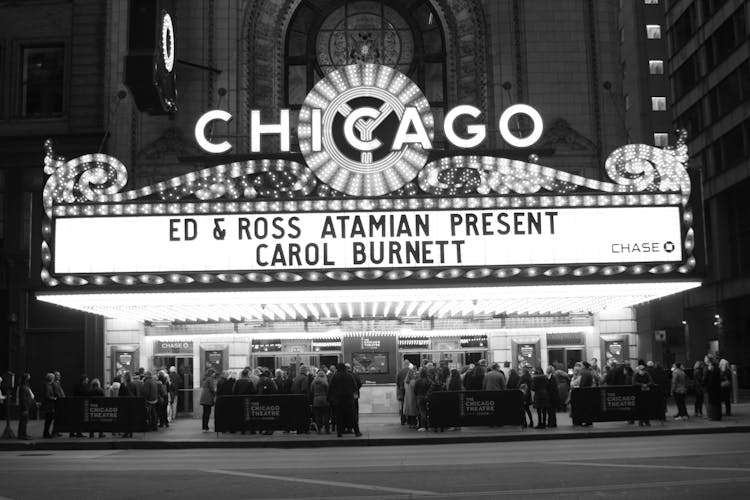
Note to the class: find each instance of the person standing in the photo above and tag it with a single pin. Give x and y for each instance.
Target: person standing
(96, 390)
(421, 387)
(699, 376)
(494, 380)
(341, 390)
(541, 397)
(400, 391)
(410, 398)
(151, 394)
(301, 383)
(320, 405)
(48, 404)
(679, 391)
(725, 373)
(25, 401)
(553, 396)
(474, 379)
(244, 385)
(127, 390)
(175, 384)
(514, 380)
(712, 385)
(162, 406)
(208, 395)
(643, 380)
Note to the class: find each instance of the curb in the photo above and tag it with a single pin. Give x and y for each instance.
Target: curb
(422, 440)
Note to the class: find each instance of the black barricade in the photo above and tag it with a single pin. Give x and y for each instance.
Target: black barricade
(615, 403)
(271, 412)
(467, 408)
(98, 414)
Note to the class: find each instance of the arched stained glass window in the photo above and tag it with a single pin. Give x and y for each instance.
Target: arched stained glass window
(324, 35)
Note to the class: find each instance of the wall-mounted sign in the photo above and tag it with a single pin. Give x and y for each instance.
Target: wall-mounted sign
(527, 355)
(364, 240)
(370, 343)
(616, 351)
(170, 347)
(123, 361)
(565, 338)
(213, 359)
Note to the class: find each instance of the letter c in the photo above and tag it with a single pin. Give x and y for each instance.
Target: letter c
(200, 131)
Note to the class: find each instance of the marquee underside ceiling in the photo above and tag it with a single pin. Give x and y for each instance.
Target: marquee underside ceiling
(334, 305)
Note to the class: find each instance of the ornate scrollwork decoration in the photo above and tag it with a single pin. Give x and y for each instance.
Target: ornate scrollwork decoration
(270, 179)
(639, 167)
(483, 175)
(81, 179)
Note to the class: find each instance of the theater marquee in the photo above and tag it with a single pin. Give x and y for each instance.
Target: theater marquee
(368, 205)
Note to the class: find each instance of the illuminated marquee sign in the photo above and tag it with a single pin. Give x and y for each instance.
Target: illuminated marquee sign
(367, 240)
(367, 205)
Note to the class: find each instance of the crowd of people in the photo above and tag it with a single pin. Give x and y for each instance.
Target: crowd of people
(332, 392)
(548, 391)
(160, 394)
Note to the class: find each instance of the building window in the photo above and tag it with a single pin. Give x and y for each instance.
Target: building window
(653, 31)
(661, 139)
(326, 35)
(658, 104)
(656, 67)
(42, 82)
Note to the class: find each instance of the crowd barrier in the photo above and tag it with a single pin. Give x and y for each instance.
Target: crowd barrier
(256, 412)
(615, 403)
(472, 408)
(99, 414)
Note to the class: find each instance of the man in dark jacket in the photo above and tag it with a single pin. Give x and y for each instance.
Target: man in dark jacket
(151, 395)
(554, 397)
(48, 403)
(244, 385)
(301, 383)
(341, 392)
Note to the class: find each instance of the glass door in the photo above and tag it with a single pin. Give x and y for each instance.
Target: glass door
(564, 357)
(185, 394)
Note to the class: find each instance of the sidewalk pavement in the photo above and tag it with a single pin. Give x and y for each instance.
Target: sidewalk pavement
(377, 430)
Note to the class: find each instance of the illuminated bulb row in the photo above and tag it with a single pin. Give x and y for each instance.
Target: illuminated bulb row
(530, 272)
